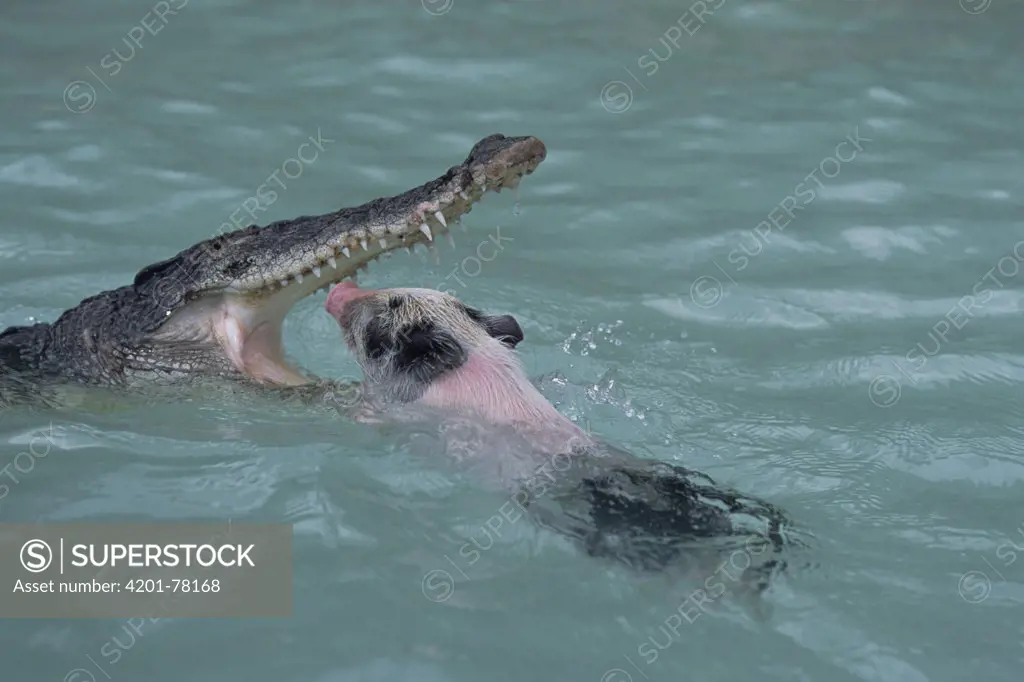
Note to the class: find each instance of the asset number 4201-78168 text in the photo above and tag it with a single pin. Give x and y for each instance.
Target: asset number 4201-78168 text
(173, 585)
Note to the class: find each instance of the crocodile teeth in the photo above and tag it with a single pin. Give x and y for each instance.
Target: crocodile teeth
(465, 197)
(298, 277)
(383, 244)
(332, 262)
(362, 243)
(440, 218)
(425, 229)
(316, 272)
(451, 239)
(344, 250)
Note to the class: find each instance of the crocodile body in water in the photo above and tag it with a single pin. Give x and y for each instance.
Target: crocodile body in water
(217, 308)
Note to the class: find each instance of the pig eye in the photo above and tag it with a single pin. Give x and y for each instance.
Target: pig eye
(376, 342)
(426, 351)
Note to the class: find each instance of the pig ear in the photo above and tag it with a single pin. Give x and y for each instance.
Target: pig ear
(505, 328)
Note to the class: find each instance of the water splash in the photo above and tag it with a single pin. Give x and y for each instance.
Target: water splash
(588, 339)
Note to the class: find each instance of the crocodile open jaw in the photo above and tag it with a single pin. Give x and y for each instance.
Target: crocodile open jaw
(244, 283)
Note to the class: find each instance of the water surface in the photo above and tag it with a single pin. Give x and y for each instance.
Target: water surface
(824, 358)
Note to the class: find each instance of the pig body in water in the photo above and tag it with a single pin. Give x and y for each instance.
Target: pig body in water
(426, 356)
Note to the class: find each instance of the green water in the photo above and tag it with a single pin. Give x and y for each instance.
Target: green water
(783, 248)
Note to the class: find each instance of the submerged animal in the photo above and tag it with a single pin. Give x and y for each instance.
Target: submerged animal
(216, 309)
(425, 355)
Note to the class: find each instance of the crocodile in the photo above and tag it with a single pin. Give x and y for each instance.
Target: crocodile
(217, 308)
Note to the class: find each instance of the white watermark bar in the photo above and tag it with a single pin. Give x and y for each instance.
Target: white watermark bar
(159, 570)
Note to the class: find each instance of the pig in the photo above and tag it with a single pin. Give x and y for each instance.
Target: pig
(428, 357)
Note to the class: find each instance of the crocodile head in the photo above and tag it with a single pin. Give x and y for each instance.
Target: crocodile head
(228, 296)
